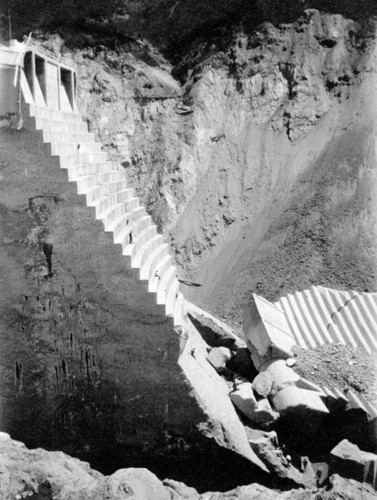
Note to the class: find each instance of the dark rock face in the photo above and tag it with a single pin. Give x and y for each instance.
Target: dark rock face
(89, 363)
(38, 474)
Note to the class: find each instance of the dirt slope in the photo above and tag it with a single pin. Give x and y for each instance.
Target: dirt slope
(258, 163)
(288, 195)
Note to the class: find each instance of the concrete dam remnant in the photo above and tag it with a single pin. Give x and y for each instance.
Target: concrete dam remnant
(307, 319)
(94, 316)
(101, 353)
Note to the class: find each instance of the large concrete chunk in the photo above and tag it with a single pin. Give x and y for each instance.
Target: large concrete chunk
(262, 384)
(256, 411)
(266, 448)
(218, 357)
(267, 332)
(243, 397)
(280, 374)
(293, 397)
(348, 460)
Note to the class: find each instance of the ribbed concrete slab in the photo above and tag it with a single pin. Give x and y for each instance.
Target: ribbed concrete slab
(322, 315)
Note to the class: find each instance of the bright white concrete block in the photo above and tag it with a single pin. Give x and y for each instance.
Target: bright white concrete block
(267, 331)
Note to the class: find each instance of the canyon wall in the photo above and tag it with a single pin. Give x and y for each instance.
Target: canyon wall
(257, 158)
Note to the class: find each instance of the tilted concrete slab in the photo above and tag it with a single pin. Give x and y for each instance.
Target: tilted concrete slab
(267, 331)
(212, 392)
(322, 315)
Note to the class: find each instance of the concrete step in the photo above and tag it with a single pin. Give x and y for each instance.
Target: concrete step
(101, 203)
(85, 170)
(73, 160)
(115, 204)
(96, 194)
(123, 225)
(165, 283)
(345, 337)
(112, 213)
(138, 240)
(148, 267)
(84, 184)
(300, 320)
(179, 310)
(148, 249)
(303, 302)
(54, 115)
(172, 297)
(360, 337)
(285, 307)
(58, 126)
(117, 185)
(360, 314)
(67, 137)
(160, 270)
(72, 148)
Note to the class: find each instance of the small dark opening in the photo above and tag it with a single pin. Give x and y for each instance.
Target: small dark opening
(67, 82)
(40, 69)
(28, 70)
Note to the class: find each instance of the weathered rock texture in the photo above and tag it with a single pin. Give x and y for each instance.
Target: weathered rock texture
(38, 474)
(265, 180)
(90, 364)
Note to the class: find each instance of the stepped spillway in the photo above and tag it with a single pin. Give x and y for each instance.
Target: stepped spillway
(320, 315)
(106, 190)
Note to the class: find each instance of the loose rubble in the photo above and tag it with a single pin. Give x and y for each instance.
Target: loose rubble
(272, 393)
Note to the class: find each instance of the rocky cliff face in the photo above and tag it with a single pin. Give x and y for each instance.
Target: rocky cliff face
(38, 474)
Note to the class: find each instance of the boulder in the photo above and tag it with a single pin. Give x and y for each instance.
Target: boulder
(339, 488)
(138, 484)
(218, 357)
(291, 392)
(280, 374)
(267, 450)
(257, 411)
(244, 399)
(262, 384)
(295, 398)
(263, 413)
(348, 460)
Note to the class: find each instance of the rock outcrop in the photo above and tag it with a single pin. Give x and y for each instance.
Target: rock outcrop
(354, 463)
(38, 474)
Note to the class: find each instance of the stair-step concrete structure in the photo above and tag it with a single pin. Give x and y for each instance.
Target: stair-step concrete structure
(309, 319)
(40, 86)
(105, 187)
(320, 315)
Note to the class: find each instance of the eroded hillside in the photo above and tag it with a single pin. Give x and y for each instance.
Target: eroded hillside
(254, 153)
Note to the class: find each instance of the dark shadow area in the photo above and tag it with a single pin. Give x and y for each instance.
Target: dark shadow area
(316, 438)
(171, 26)
(85, 420)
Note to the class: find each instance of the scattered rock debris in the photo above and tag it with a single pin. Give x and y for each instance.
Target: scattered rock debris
(341, 366)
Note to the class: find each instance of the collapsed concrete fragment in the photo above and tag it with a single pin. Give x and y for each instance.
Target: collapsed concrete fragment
(307, 319)
(267, 333)
(267, 449)
(347, 459)
(258, 411)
